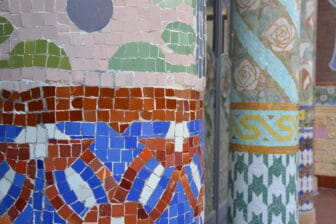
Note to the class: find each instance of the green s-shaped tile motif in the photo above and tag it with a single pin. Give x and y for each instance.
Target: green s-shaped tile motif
(145, 57)
(6, 29)
(180, 37)
(37, 53)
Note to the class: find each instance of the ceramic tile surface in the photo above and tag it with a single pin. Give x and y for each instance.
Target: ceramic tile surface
(101, 111)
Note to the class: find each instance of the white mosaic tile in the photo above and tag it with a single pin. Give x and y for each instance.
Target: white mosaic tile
(80, 188)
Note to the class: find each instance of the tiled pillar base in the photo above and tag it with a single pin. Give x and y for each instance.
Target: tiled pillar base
(307, 217)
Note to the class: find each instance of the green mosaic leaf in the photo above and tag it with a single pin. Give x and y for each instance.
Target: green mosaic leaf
(145, 57)
(180, 37)
(169, 3)
(37, 53)
(6, 29)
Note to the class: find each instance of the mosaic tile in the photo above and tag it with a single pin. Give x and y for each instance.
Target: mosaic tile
(132, 57)
(6, 29)
(100, 14)
(81, 169)
(168, 3)
(37, 53)
(179, 37)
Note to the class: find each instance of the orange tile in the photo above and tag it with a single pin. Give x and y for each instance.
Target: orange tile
(131, 116)
(20, 119)
(160, 103)
(25, 95)
(104, 220)
(49, 91)
(87, 156)
(105, 210)
(148, 92)
(62, 91)
(148, 104)
(51, 192)
(91, 216)
(90, 116)
(91, 91)
(103, 115)
(35, 92)
(122, 92)
(49, 164)
(121, 103)
(161, 205)
(169, 92)
(57, 202)
(120, 195)
(123, 127)
(145, 155)
(60, 163)
(143, 221)
(147, 115)
(101, 174)
(48, 117)
(8, 106)
(130, 219)
(118, 210)
(21, 167)
(130, 174)
(117, 115)
(95, 165)
(89, 103)
(76, 115)
(75, 219)
(171, 104)
(63, 116)
(14, 96)
(105, 103)
(65, 211)
(159, 115)
(136, 104)
(136, 92)
(170, 115)
(5, 219)
(77, 90)
(154, 214)
(106, 92)
(159, 92)
(35, 105)
(50, 101)
(137, 164)
(77, 102)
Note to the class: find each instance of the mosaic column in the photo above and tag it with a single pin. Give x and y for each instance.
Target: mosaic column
(306, 95)
(101, 111)
(264, 112)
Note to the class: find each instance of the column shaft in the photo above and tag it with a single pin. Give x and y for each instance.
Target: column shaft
(264, 112)
(306, 95)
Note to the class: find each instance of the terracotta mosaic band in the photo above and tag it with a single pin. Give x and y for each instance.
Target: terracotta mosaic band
(118, 107)
(264, 149)
(263, 106)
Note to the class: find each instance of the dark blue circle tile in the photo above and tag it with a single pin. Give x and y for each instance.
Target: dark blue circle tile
(90, 15)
